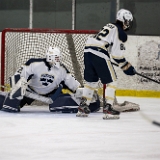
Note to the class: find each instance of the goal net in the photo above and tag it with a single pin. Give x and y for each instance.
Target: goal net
(19, 45)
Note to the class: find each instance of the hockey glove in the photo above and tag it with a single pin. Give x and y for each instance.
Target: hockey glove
(19, 85)
(128, 69)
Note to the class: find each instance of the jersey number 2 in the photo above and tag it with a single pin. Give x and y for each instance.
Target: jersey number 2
(102, 33)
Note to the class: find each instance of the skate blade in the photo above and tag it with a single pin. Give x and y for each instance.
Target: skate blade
(107, 117)
(84, 115)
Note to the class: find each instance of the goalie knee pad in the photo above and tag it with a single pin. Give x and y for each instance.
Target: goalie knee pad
(11, 105)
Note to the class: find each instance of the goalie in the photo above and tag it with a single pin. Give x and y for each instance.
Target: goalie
(43, 79)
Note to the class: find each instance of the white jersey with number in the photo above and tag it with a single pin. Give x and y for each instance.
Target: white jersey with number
(110, 40)
(43, 79)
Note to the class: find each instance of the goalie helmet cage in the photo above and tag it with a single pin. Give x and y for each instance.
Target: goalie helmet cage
(19, 45)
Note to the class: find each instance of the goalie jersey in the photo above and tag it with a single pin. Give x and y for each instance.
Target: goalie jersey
(108, 42)
(43, 78)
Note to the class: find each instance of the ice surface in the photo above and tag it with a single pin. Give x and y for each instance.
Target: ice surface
(37, 134)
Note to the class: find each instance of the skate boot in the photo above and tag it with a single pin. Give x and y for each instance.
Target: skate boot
(109, 112)
(83, 109)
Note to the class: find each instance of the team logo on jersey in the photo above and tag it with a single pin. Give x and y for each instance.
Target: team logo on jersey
(46, 79)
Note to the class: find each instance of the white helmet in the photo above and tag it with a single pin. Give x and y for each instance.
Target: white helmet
(53, 56)
(125, 17)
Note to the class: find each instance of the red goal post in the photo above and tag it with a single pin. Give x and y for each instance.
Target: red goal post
(20, 44)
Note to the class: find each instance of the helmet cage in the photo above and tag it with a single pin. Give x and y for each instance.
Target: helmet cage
(53, 56)
(127, 23)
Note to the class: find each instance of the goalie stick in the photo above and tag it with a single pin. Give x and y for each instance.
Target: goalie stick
(38, 97)
(139, 74)
(31, 95)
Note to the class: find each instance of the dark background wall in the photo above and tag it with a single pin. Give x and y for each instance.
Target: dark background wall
(89, 14)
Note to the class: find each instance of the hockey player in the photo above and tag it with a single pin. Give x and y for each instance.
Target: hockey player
(109, 42)
(45, 78)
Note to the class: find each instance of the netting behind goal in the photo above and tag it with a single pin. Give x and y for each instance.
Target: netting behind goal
(19, 45)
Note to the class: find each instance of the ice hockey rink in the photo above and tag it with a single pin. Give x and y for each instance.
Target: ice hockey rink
(37, 134)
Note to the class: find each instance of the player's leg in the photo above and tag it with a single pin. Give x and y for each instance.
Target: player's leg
(107, 75)
(108, 100)
(90, 86)
(87, 97)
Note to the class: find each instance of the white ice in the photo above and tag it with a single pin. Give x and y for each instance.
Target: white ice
(37, 134)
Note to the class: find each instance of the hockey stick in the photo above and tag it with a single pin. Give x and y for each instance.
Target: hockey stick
(39, 97)
(146, 77)
(31, 95)
(150, 120)
(139, 74)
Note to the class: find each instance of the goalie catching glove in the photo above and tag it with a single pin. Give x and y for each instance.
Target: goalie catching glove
(18, 85)
(128, 69)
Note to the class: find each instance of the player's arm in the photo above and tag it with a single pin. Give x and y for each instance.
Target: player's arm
(18, 82)
(18, 86)
(117, 55)
(71, 82)
(68, 79)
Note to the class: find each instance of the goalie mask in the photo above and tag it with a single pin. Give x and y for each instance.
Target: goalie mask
(126, 18)
(53, 56)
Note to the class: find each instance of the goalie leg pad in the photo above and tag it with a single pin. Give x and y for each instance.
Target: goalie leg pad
(2, 98)
(65, 104)
(126, 106)
(11, 105)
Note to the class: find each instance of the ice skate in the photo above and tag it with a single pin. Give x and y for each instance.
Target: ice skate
(83, 109)
(109, 112)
